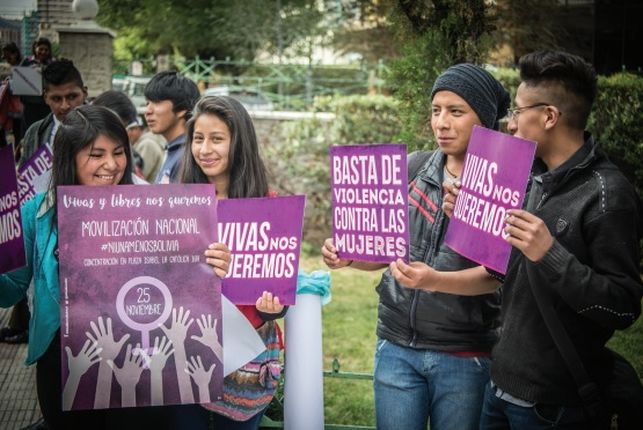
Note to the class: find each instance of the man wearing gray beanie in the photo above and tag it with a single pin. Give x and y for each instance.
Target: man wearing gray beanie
(432, 355)
(484, 94)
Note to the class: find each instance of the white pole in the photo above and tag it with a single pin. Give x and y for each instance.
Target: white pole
(304, 384)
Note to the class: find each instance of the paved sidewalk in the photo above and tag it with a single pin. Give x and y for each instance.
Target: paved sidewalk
(18, 399)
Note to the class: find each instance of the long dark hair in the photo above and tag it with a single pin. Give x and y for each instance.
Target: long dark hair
(248, 174)
(80, 128)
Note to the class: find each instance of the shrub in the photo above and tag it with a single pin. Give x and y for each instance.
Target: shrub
(617, 123)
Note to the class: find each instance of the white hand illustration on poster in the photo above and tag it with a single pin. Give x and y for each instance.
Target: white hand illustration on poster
(201, 377)
(160, 353)
(78, 366)
(209, 337)
(181, 322)
(128, 375)
(110, 348)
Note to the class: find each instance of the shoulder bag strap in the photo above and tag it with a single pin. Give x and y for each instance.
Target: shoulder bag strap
(587, 389)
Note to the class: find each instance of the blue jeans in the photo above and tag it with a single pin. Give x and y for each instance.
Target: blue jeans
(499, 414)
(412, 385)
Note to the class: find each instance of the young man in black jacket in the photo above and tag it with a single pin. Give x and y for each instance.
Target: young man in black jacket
(577, 241)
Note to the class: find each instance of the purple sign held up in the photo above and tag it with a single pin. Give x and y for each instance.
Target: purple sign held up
(264, 237)
(12, 248)
(140, 308)
(370, 202)
(494, 180)
(35, 173)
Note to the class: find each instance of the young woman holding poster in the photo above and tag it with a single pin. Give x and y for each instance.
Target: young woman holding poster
(432, 355)
(91, 148)
(224, 152)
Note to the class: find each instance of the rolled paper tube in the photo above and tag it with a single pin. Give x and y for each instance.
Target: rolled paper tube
(304, 384)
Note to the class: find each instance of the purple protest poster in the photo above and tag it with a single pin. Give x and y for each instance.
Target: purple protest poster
(264, 238)
(140, 308)
(370, 202)
(12, 248)
(494, 179)
(35, 173)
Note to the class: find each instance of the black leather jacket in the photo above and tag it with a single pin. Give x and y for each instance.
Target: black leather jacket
(591, 273)
(422, 319)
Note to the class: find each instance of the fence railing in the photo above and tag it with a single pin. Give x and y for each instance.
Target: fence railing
(288, 86)
(277, 403)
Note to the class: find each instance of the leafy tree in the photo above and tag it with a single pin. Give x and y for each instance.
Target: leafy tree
(529, 25)
(434, 34)
(363, 26)
(208, 28)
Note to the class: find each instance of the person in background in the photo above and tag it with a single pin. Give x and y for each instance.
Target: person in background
(63, 90)
(120, 104)
(170, 99)
(13, 57)
(35, 107)
(11, 54)
(432, 354)
(150, 146)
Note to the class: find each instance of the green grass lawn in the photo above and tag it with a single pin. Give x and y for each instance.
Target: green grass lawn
(349, 335)
(629, 343)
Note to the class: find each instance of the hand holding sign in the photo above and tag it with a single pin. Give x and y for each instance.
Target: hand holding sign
(451, 191)
(414, 275)
(529, 234)
(269, 304)
(331, 259)
(218, 256)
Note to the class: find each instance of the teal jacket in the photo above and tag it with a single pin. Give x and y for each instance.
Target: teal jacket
(41, 239)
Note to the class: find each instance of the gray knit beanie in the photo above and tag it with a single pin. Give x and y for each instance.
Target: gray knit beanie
(476, 86)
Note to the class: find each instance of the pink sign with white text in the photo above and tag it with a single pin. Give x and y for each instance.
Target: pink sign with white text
(140, 307)
(494, 180)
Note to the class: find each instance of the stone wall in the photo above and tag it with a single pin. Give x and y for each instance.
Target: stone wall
(92, 54)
